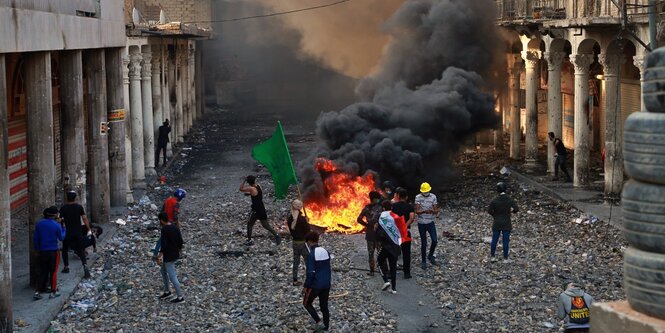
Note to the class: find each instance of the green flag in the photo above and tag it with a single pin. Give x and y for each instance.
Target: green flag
(274, 154)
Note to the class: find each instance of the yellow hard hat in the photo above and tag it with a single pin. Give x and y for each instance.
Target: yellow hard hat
(424, 187)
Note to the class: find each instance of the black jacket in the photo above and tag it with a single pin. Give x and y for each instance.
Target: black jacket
(302, 227)
(500, 208)
(171, 243)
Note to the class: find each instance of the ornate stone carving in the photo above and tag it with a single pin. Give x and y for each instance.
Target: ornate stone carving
(554, 60)
(146, 66)
(135, 66)
(531, 58)
(156, 64)
(581, 62)
(611, 63)
(639, 62)
(125, 68)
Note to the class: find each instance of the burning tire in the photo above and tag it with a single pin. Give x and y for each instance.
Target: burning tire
(644, 281)
(644, 147)
(643, 208)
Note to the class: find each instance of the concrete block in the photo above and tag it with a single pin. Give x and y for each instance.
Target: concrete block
(619, 317)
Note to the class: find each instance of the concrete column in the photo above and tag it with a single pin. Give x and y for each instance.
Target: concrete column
(166, 105)
(116, 103)
(554, 104)
(98, 161)
(613, 126)
(639, 62)
(41, 166)
(128, 125)
(179, 115)
(582, 121)
(148, 123)
(184, 81)
(198, 76)
(73, 124)
(192, 88)
(531, 152)
(158, 113)
(498, 132)
(6, 318)
(136, 112)
(515, 132)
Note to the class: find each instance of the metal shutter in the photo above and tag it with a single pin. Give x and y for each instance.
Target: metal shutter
(18, 162)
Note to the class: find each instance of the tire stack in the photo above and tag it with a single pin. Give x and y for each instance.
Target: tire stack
(643, 197)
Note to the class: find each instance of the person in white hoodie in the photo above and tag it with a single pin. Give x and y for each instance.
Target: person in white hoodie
(573, 308)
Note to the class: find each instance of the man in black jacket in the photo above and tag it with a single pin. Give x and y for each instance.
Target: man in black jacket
(500, 208)
(162, 141)
(299, 227)
(168, 254)
(560, 157)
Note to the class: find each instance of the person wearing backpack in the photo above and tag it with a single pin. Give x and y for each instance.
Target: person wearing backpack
(573, 308)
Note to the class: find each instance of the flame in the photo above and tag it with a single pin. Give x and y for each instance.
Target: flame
(346, 195)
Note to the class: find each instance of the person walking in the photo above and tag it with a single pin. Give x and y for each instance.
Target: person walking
(560, 157)
(72, 213)
(404, 209)
(250, 187)
(427, 207)
(388, 233)
(298, 227)
(500, 208)
(369, 217)
(48, 232)
(168, 255)
(318, 281)
(172, 209)
(162, 141)
(573, 307)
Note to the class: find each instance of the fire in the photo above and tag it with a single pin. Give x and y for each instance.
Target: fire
(346, 195)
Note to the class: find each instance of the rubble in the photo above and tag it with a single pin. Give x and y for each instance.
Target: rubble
(231, 287)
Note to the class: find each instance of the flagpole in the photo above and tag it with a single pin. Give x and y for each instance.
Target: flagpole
(279, 123)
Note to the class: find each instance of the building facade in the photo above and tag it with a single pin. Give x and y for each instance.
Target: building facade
(575, 69)
(84, 85)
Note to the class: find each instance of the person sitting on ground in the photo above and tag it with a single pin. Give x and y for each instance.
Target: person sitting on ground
(500, 208)
(258, 212)
(318, 281)
(91, 236)
(404, 209)
(389, 234)
(298, 225)
(48, 232)
(560, 157)
(73, 214)
(169, 253)
(573, 307)
(427, 207)
(369, 217)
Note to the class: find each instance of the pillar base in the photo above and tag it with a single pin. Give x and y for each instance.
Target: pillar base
(618, 317)
(150, 171)
(530, 163)
(130, 197)
(139, 184)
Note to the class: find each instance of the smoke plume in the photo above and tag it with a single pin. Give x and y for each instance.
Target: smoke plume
(424, 100)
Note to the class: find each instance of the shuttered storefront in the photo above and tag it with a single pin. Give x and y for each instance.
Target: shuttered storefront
(18, 162)
(631, 93)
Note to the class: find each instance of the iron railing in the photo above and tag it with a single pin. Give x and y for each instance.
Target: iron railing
(508, 10)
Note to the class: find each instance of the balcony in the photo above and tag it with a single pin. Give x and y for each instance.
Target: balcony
(590, 11)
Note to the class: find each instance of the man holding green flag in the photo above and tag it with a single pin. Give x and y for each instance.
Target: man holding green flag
(274, 155)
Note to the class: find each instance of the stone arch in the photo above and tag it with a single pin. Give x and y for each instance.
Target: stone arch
(587, 46)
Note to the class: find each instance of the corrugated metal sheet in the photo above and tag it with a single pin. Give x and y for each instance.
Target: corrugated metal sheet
(631, 94)
(18, 162)
(57, 138)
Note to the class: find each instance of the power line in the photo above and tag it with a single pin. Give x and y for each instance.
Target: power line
(273, 14)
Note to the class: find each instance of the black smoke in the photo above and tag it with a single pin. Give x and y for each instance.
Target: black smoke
(425, 100)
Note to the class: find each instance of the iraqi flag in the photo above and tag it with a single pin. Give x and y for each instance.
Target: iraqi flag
(387, 222)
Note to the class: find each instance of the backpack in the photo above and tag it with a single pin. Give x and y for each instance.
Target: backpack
(579, 311)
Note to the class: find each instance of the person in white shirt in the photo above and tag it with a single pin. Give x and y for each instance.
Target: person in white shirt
(426, 209)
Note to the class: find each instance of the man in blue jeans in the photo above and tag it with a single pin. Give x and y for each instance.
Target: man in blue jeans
(500, 208)
(426, 209)
(169, 253)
